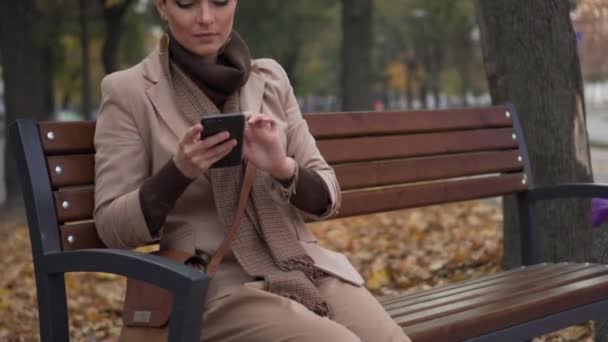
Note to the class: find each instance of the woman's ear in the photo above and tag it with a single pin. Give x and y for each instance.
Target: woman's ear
(160, 7)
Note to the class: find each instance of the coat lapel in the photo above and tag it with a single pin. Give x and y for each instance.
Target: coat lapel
(160, 95)
(252, 93)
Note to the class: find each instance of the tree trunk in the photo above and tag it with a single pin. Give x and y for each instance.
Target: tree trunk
(86, 60)
(424, 94)
(114, 22)
(437, 57)
(26, 75)
(531, 60)
(291, 59)
(409, 91)
(357, 54)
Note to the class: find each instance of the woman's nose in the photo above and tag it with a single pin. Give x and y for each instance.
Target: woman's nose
(205, 14)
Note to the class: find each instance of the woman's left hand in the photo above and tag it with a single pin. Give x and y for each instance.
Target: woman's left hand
(263, 148)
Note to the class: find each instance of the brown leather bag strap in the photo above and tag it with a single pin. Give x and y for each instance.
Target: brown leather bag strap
(243, 197)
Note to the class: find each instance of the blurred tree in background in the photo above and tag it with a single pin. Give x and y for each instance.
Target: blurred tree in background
(302, 36)
(418, 47)
(357, 46)
(429, 48)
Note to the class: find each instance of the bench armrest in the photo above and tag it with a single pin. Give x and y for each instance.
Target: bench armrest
(188, 286)
(530, 242)
(587, 190)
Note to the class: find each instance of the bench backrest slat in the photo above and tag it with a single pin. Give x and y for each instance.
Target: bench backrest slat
(397, 160)
(71, 170)
(60, 138)
(387, 172)
(344, 150)
(74, 204)
(330, 125)
(386, 199)
(383, 160)
(80, 236)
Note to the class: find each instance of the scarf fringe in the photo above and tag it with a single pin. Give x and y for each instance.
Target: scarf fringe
(301, 263)
(321, 309)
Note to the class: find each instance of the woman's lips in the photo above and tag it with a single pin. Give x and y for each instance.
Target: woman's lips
(205, 37)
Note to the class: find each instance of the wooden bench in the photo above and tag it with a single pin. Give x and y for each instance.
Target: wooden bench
(384, 161)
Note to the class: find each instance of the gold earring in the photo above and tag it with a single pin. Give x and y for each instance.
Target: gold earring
(164, 44)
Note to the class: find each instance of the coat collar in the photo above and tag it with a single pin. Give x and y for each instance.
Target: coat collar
(159, 93)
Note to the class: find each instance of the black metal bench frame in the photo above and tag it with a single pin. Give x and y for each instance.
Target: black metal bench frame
(187, 285)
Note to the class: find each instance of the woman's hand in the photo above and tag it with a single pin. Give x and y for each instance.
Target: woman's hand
(263, 148)
(194, 156)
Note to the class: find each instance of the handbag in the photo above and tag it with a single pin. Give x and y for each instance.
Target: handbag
(147, 308)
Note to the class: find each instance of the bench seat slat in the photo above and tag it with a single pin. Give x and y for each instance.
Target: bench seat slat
(416, 145)
(387, 199)
(326, 125)
(396, 299)
(67, 137)
(76, 170)
(372, 174)
(74, 205)
(484, 282)
(511, 286)
(501, 295)
(516, 310)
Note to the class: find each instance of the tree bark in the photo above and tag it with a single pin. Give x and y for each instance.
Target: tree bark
(531, 60)
(86, 60)
(435, 72)
(114, 22)
(357, 54)
(26, 74)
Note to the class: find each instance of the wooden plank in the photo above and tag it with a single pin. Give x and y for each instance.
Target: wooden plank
(484, 282)
(372, 174)
(74, 205)
(504, 295)
(67, 137)
(80, 236)
(511, 284)
(332, 125)
(74, 170)
(516, 310)
(389, 301)
(363, 202)
(403, 146)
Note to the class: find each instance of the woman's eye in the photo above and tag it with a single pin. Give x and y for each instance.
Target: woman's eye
(221, 2)
(184, 3)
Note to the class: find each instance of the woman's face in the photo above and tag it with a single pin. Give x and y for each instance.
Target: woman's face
(201, 26)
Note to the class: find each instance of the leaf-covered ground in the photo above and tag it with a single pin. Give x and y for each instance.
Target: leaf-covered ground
(396, 252)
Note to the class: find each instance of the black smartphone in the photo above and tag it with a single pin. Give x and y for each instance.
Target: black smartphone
(232, 123)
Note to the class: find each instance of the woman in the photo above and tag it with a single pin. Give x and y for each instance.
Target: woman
(153, 179)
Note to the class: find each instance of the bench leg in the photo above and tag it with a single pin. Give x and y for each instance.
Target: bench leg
(601, 330)
(52, 307)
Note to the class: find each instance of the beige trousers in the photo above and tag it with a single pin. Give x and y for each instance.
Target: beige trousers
(251, 314)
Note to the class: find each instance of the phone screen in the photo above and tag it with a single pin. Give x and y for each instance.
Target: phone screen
(233, 124)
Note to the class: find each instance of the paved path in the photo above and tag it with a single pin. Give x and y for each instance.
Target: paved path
(599, 161)
(597, 126)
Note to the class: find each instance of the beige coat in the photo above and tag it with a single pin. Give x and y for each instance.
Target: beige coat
(137, 133)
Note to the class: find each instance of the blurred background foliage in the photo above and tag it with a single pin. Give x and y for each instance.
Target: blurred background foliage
(426, 53)
(421, 48)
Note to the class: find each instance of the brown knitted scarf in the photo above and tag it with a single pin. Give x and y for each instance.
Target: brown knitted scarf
(265, 246)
